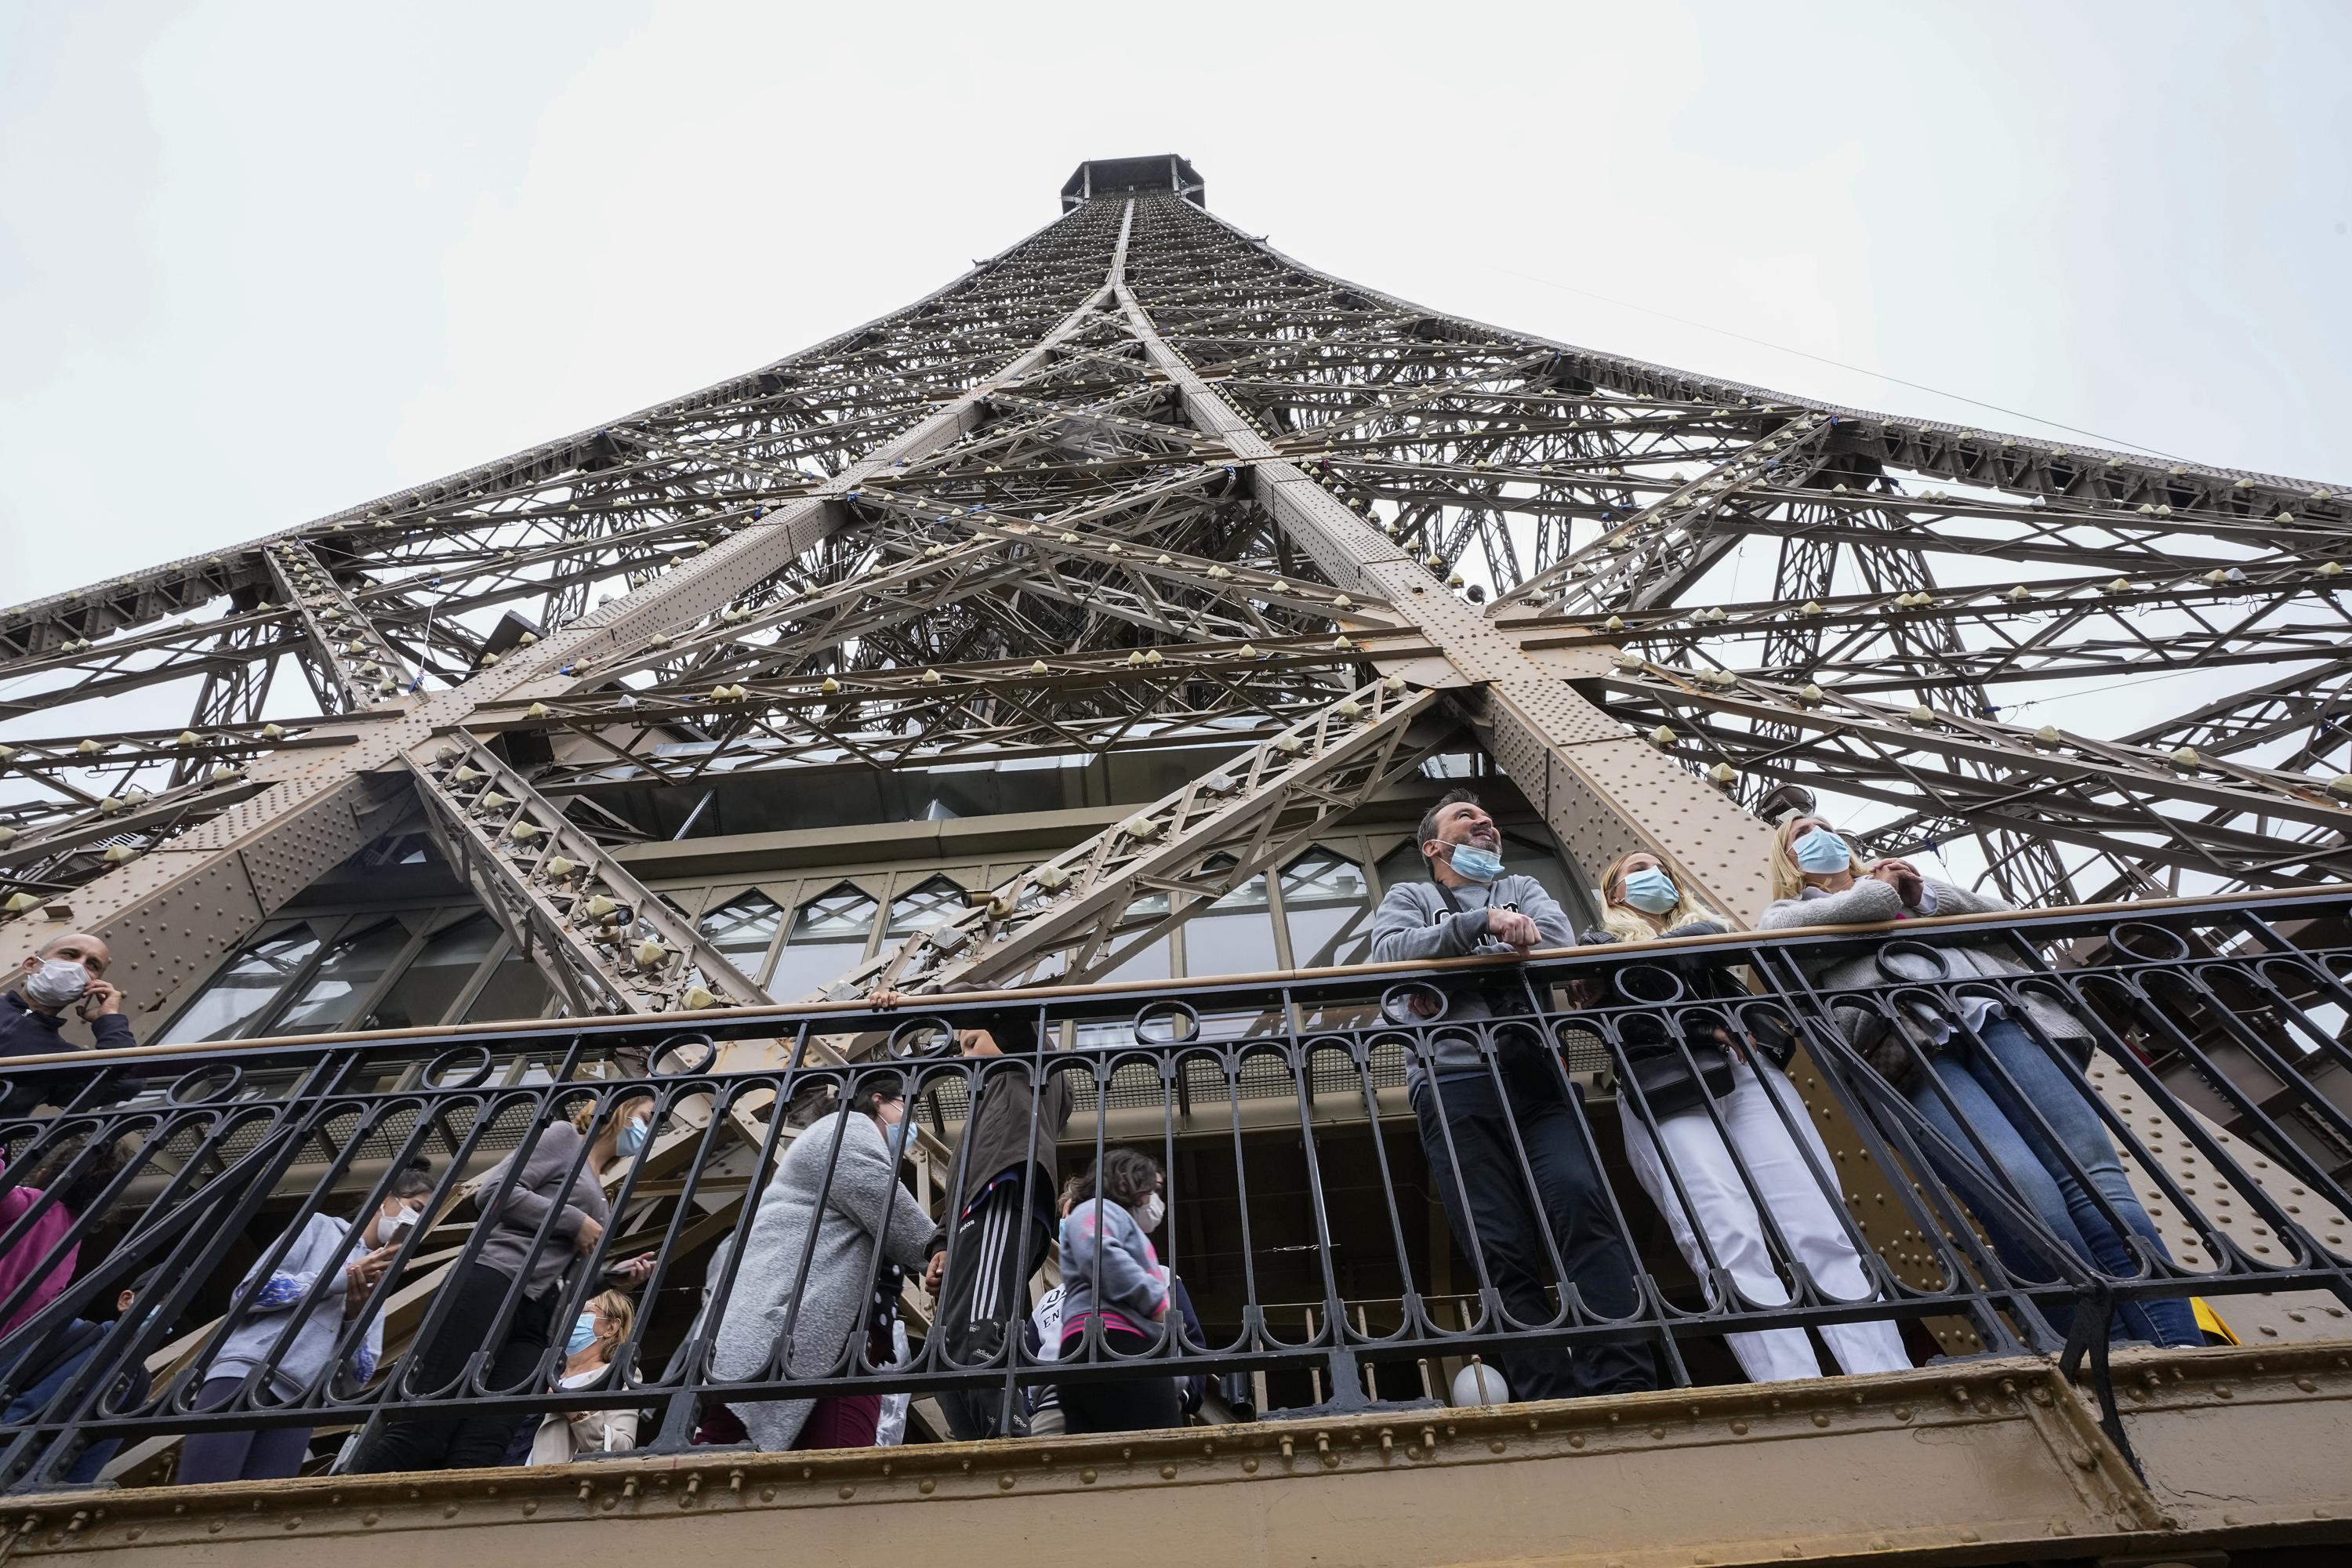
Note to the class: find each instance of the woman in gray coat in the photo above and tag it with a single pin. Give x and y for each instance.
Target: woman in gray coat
(1817, 881)
(839, 1180)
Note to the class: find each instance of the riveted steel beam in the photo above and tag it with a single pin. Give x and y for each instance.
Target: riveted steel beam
(171, 913)
(1602, 793)
(1068, 918)
(610, 943)
(351, 665)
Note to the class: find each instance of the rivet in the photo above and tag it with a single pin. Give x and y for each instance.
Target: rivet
(531, 1508)
(1088, 1475)
(367, 1518)
(1249, 1466)
(926, 1486)
(1821, 1417)
(849, 1492)
(1576, 1440)
(1003, 1484)
(1739, 1429)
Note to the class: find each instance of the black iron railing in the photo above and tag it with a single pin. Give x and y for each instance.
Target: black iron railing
(1299, 1182)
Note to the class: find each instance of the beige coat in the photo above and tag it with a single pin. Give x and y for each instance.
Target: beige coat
(560, 1440)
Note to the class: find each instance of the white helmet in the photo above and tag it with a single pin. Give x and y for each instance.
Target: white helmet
(1478, 1384)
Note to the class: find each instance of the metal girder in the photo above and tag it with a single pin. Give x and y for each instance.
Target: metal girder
(173, 911)
(1010, 470)
(1666, 546)
(354, 666)
(1063, 918)
(1227, 693)
(1602, 793)
(610, 944)
(2091, 793)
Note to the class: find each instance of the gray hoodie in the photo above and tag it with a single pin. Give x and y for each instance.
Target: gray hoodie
(1414, 922)
(1870, 902)
(325, 1245)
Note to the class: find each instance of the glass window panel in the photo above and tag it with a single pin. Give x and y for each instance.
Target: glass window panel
(516, 989)
(741, 929)
(923, 908)
(1329, 905)
(427, 986)
(828, 938)
(249, 983)
(351, 968)
(804, 967)
(1405, 863)
(835, 916)
(1232, 936)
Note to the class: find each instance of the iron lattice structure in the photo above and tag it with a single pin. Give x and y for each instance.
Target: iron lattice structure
(1140, 480)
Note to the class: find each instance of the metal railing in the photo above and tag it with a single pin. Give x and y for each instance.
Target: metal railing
(1300, 1182)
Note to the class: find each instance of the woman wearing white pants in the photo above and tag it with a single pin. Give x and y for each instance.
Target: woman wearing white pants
(1641, 901)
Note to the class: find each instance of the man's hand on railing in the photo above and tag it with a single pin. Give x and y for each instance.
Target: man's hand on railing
(934, 1271)
(1510, 926)
(591, 1231)
(883, 999)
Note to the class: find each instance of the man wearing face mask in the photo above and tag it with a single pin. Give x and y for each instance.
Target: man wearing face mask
(1473, 1127)
(67, 975)
(287, 1323)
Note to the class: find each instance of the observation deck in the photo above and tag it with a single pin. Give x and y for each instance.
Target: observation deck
(1134, 176)
(1336, 1310)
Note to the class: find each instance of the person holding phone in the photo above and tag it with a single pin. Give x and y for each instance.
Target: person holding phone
(67, 975)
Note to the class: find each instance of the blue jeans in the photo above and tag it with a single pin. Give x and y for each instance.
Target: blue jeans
(2037, 1172)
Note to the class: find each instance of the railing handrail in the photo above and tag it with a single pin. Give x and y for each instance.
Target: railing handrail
(735, 1018)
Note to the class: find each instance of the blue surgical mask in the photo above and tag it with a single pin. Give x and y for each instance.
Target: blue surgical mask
(635, 1137)
(1478, 865)
(1652, 892)
(583, 1333)
(1822, 852)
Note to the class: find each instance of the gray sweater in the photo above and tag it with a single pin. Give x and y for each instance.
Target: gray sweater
(1869, 902)
(559, 1155)
(323, 1245)
(863, 1201)
(1413, 923)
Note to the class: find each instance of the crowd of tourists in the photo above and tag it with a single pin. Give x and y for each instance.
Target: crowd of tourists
(1021, 1268)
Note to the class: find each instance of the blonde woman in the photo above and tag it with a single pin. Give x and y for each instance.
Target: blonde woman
(1817, 880)
(1764, 1120)
(563, 1176)
(602, 1327)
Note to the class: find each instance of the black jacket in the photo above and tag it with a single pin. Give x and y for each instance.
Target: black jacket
(24, 1032)
(996, 1136)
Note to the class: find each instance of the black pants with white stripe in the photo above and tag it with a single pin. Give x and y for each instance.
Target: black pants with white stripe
(990, 1256)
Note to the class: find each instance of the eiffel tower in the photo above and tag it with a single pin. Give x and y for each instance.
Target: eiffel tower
(1142, 479)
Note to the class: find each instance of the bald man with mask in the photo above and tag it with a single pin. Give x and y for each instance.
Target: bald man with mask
(67, 975)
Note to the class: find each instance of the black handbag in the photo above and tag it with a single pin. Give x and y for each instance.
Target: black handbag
(1527, 1066)
(1667, 1085)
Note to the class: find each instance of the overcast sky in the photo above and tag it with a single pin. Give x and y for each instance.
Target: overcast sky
(261, 261)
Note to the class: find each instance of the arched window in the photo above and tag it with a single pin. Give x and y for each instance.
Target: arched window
(828, 936)
(1233, 935)
(742, 930)
(921, 909)
(246, 985)
(1327, 903)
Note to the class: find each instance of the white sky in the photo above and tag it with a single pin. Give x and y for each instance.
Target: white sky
(258, 262)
